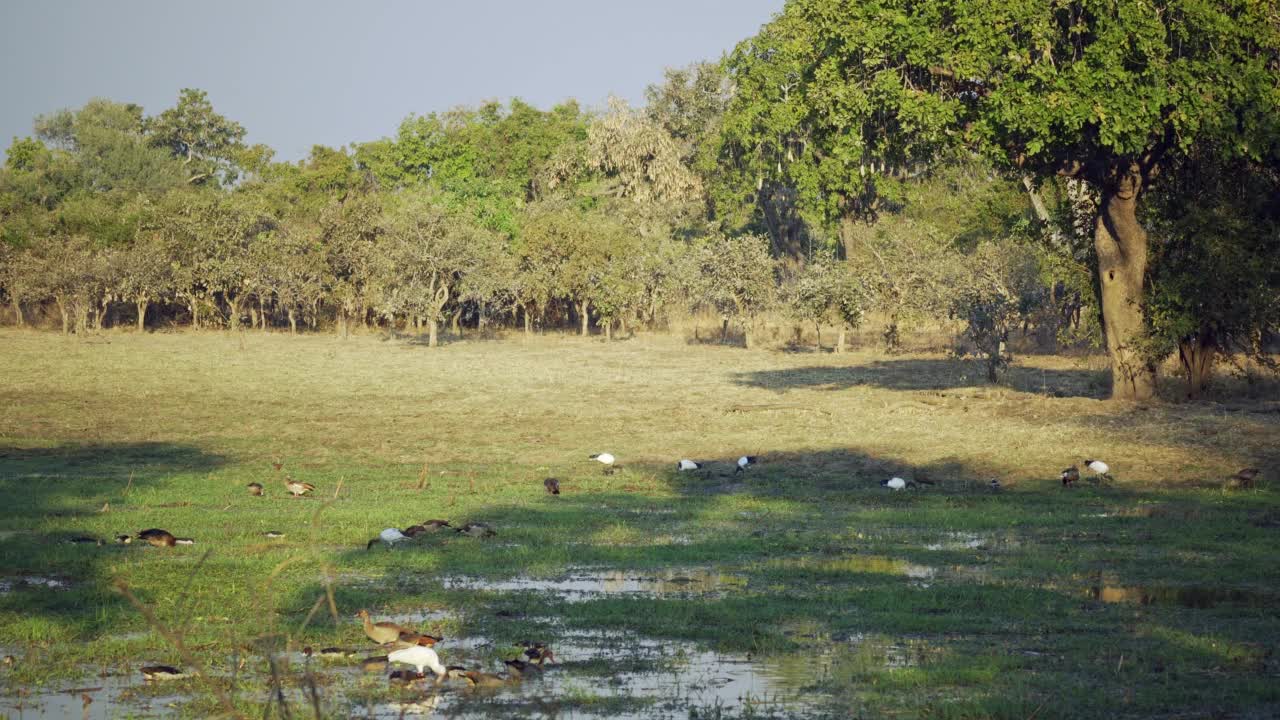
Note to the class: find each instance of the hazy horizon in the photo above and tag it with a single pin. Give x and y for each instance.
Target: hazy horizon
(298, 74)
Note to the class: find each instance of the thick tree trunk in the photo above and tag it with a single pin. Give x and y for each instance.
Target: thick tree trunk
(724, 330)
(585, 310)
(608, 331)
(528, 323)
(1197, 355)
(840, 341)
(455, 326)
(1121, 245)
(194, 307)
(746, 333)
(141, 304)
(293, 322)
(262, 315)
(622, 325)
(433, 326)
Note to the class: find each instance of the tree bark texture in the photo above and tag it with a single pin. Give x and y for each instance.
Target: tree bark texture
(1121, 245)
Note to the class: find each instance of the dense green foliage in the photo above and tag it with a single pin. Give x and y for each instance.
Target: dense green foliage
(852, 160)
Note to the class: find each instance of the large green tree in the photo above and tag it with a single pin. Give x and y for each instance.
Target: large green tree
(844, 100)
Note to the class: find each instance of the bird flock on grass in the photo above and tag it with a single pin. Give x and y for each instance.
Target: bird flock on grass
(418, 650)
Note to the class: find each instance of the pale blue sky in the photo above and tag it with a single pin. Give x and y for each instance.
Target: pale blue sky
(297, 73)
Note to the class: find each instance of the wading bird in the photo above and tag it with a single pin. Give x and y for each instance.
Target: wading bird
(606, 459)
(389, 537)
(745, 462)
(687, 464)
(420, 656)
(1099, 468)
(894, 483)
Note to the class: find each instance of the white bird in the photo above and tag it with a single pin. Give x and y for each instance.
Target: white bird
(390, 536)
(744, 462)
(894, 483)
(687, 465)
(607, 460)
(419, 656)
(1099, 468)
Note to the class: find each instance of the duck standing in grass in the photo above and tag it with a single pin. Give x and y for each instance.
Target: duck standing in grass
(255, 489)
(1245, 479)
(477, 530)
(155, 537)
(297, 488)
(155, 673)
(745, 462)
(1101, 470)
(1070, 475)
(552, 485)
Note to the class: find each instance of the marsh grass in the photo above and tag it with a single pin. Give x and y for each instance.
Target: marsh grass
(949, 601)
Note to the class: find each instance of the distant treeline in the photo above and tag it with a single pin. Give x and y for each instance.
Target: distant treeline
(797, 178)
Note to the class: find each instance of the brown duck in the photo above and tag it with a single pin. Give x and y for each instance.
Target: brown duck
(255, 488)
(296, 488)
(155, 537)
(389, 632)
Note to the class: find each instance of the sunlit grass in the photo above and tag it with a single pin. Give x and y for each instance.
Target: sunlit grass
(947, 601)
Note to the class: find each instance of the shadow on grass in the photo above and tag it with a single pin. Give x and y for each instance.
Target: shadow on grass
(50, 582)
(830, 563)
(926, 374)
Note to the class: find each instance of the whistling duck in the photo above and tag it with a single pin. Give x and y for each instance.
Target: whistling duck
(419, 656)
(520, 668)
(480, 530)
(475, 678)
(298, 489)
(1099, 468)
(377, 663)
(1070, 475)
(254, 488)
(894, 483)
(995, 485)
(552, 485)
(329, 653)
(684, 465)
(745, 462)
(162, 672)
(537, 652)
(156, 537)
(124, 539)
(1246, 478)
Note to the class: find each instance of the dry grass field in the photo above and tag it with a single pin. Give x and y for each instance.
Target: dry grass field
(800, 587)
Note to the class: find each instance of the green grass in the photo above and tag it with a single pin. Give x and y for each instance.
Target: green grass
(952, 601)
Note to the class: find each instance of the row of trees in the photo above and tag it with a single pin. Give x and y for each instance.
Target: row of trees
(1007, 167)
